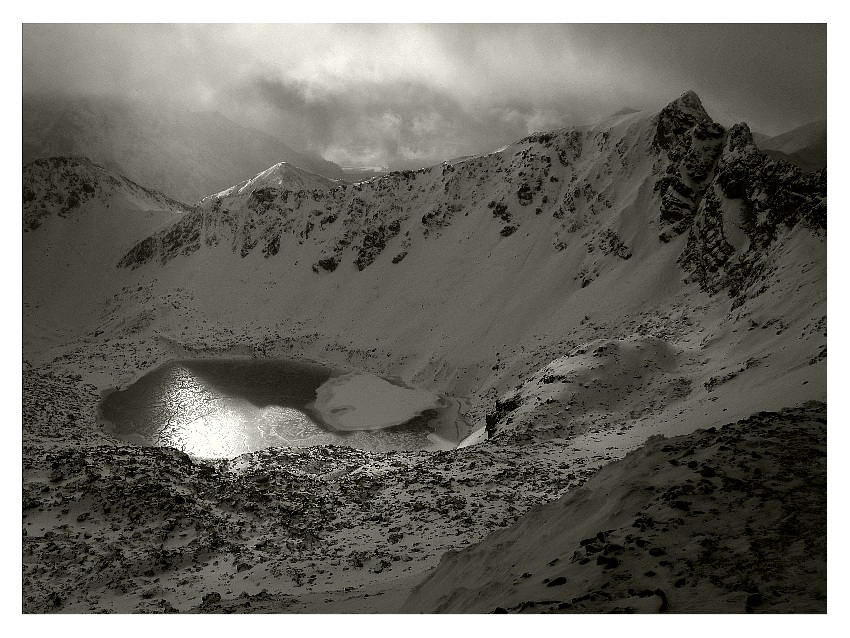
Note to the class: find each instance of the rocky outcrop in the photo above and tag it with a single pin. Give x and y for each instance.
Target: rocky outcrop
(773, 193)
(691, 142)
(707, 251)
(770, 198)
(374, 242)
(183, 238)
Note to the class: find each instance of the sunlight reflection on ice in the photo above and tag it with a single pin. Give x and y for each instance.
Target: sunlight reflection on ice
(197, 409)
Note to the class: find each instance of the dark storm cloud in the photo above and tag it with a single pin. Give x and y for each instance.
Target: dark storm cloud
(408, 94)
(398, 122)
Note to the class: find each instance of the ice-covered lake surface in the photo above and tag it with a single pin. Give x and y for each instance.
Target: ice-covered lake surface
(220, 408)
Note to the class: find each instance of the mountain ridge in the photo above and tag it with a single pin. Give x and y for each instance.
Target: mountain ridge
(706, 164)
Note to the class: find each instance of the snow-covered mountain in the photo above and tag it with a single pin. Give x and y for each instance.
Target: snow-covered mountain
(579, 291)
(186, 155)
(66, 186)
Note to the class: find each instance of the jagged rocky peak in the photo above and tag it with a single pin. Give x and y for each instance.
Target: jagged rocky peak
(690, 142)
(763, 199)
(677, 118)
(689, 101)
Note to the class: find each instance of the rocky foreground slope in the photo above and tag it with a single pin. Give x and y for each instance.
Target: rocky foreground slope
(577, 292)
(725, 520)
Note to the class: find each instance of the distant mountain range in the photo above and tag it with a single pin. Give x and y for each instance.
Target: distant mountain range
(804, 146)
(185, 155)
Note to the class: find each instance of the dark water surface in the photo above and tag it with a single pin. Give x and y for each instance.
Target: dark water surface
(220, 408)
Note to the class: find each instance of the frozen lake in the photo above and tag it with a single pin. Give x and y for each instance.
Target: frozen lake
(220, 408)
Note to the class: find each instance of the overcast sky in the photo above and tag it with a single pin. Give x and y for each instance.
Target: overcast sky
(404, 95)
